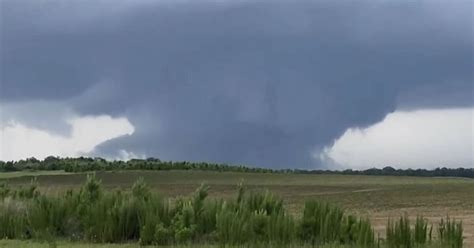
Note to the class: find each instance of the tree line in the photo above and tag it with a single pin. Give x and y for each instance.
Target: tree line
(84, 164)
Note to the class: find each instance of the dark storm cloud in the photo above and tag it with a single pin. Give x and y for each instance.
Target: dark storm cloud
(262, 83)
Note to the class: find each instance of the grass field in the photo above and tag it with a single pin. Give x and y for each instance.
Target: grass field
(378, 197)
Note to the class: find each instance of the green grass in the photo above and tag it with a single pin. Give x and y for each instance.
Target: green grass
(59, 244)
(140, 215)
(66, 244)
(377, 197)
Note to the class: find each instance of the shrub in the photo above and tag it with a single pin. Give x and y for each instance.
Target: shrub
(91, 190)
(140, 189)
(162, 234)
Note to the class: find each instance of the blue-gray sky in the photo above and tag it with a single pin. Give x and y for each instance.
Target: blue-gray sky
(265, 83)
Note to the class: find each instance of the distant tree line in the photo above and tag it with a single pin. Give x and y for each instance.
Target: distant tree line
(84, 164)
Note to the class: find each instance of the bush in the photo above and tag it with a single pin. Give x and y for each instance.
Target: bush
(91, 190)
(140, 189)
(162, 234)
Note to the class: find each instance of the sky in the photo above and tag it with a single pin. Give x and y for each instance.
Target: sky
(277, 84)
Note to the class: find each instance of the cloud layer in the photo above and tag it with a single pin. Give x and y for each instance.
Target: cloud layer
(260, 83)
(408, 139)
(19, 141)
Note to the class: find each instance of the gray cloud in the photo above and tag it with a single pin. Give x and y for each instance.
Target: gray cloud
(257, 83)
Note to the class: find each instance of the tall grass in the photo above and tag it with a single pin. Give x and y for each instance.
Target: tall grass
(421, 233)
(400, 234)
(450, 233)
(252, 218)
(322, 223)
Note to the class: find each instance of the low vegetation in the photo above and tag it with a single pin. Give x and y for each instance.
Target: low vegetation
(251, 218)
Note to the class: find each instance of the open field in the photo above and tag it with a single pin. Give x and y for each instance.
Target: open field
(378, 197)
(15, 174)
